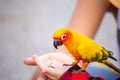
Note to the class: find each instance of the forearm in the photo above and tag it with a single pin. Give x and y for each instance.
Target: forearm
(88, 15)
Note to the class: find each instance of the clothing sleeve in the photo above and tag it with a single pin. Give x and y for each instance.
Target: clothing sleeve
(74, 73)
(100, 70)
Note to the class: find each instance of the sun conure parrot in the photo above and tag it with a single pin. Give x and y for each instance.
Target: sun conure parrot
(83, 48)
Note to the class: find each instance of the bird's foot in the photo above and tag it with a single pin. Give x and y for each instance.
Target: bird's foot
(83, 71)
(68, 64)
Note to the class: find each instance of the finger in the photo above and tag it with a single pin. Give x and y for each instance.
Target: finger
(58, 55)
(29, 61)
(38, 75)
(40, 63)
(40, 78)
(43, 60)
(47, 61)
(57, 70)
(53, 73)
(49, 67)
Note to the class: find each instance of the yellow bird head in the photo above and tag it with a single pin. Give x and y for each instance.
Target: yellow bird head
(61, 36)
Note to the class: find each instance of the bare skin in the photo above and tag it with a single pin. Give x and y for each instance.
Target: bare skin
(45, 70)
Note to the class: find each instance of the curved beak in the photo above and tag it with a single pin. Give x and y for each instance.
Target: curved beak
(57, 43)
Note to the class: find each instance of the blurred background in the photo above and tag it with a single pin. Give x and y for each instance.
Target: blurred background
(26, 27)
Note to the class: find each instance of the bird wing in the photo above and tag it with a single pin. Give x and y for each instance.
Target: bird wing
(92, 52)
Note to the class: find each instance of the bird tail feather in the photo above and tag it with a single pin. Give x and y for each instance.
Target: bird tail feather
(110, 65)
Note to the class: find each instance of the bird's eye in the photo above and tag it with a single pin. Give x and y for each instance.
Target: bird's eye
(63, 36)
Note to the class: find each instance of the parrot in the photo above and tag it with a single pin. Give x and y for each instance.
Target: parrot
(83, 48)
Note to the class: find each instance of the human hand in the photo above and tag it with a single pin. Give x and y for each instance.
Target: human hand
(58, 57)
(51, 68)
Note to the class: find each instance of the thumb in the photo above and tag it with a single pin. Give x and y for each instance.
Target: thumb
(29, 61)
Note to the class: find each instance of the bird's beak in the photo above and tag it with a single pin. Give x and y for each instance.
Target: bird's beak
(57, 43)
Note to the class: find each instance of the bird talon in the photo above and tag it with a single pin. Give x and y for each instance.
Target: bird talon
(83, 70)
(68, 64)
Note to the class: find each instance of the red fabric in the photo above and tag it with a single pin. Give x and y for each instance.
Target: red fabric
(80, 76)
(84, 76)
(69, 75)
(66, 76)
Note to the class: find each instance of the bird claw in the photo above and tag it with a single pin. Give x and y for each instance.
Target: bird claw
(78, 71)
(83, 71)
(68, 64)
